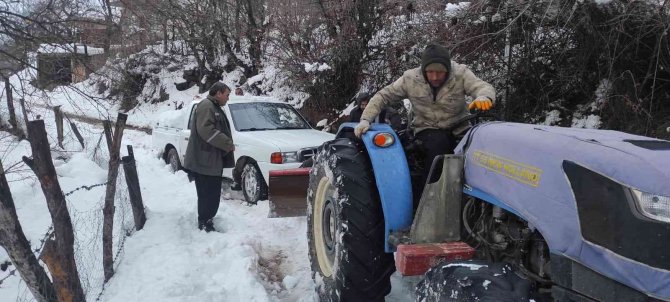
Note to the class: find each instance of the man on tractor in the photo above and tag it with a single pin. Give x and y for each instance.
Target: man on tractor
(530, 228)
(437, 92)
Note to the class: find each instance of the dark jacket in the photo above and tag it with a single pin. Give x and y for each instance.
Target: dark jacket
(210, 144)
(355, 115)
(357, 112)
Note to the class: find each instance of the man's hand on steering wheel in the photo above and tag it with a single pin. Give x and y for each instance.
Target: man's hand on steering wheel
(481, 104)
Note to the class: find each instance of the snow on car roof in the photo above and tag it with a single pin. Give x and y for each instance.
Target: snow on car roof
(251, 99)
(236, 99)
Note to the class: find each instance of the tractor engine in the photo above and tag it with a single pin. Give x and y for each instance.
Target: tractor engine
(500, 236)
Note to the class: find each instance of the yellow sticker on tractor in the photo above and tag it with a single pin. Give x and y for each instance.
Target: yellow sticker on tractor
(523, 173)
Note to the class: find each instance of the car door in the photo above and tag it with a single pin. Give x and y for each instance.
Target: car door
(228, 172)
(185, 133)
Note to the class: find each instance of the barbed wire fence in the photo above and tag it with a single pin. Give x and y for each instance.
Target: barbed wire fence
(88, 221)
(85, 204)
(87, 226)
(88, 238)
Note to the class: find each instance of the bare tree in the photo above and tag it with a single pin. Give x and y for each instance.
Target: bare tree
(113, 145)
(109, 22)
(221, 35)
(14, 241)
(335, 33)
(10, 104)
(59, 250)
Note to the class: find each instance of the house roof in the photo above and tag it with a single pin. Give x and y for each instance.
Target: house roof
(69, 49)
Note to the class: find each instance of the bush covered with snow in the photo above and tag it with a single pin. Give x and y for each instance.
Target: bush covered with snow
(602, 64)
(139, 78)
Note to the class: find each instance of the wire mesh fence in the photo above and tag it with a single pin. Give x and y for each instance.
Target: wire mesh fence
(85, 205)
(87, 227)
(88, 238)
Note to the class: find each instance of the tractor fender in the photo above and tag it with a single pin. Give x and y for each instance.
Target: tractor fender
(391, 172)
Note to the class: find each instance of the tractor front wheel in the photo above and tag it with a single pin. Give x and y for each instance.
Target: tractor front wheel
(473, 280)
(346, 226)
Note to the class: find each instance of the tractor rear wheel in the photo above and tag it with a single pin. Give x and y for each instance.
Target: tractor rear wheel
(345, 226)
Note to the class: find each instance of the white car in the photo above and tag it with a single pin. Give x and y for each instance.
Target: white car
(268, 135)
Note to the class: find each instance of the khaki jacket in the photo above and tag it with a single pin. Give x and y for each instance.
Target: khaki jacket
(210, 143)
(432, 111)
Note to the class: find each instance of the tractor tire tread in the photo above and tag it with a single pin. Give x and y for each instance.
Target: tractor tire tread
(365, 268)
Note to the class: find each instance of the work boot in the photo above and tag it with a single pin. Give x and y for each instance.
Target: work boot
(207, 226)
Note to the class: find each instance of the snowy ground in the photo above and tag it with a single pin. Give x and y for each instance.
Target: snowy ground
(253, 258)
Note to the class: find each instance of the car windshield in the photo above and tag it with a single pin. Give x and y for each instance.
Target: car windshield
(266, 116)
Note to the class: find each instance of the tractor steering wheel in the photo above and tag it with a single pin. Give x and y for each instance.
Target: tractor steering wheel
(475, 118)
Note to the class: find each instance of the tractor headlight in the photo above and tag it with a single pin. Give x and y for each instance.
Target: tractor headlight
(653, 206)
(383, 139)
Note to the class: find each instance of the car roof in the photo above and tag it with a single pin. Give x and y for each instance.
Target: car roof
(234, 99)
(237, 99)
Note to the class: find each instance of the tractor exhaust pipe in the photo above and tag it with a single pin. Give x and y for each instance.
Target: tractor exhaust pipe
(438, 217)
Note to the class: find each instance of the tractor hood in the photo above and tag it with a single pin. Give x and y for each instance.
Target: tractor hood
(568, 182)
(637, 161)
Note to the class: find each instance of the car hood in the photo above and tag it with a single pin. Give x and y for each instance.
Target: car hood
(286, 140)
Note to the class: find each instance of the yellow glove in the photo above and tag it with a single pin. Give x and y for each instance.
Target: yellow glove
(481, 103)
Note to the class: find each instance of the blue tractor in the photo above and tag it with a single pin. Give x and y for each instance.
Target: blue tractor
(547, 213)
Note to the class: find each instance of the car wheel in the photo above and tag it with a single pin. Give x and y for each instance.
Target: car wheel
(253, 184)
(172, 159)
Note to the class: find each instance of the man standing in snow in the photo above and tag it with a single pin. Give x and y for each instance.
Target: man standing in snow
(210, 149)
(437, 92)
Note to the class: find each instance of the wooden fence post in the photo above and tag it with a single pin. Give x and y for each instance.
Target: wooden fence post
(10, 103)
(77, 134)
(135, 194)
(22, 101)
(14, 241)
(62, 265)
(73, 126)
(59, 125)
(107, 125)
(108, 210)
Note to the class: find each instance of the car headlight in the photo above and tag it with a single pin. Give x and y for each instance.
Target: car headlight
(284, 157)
(290, 157)
(653, 206)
